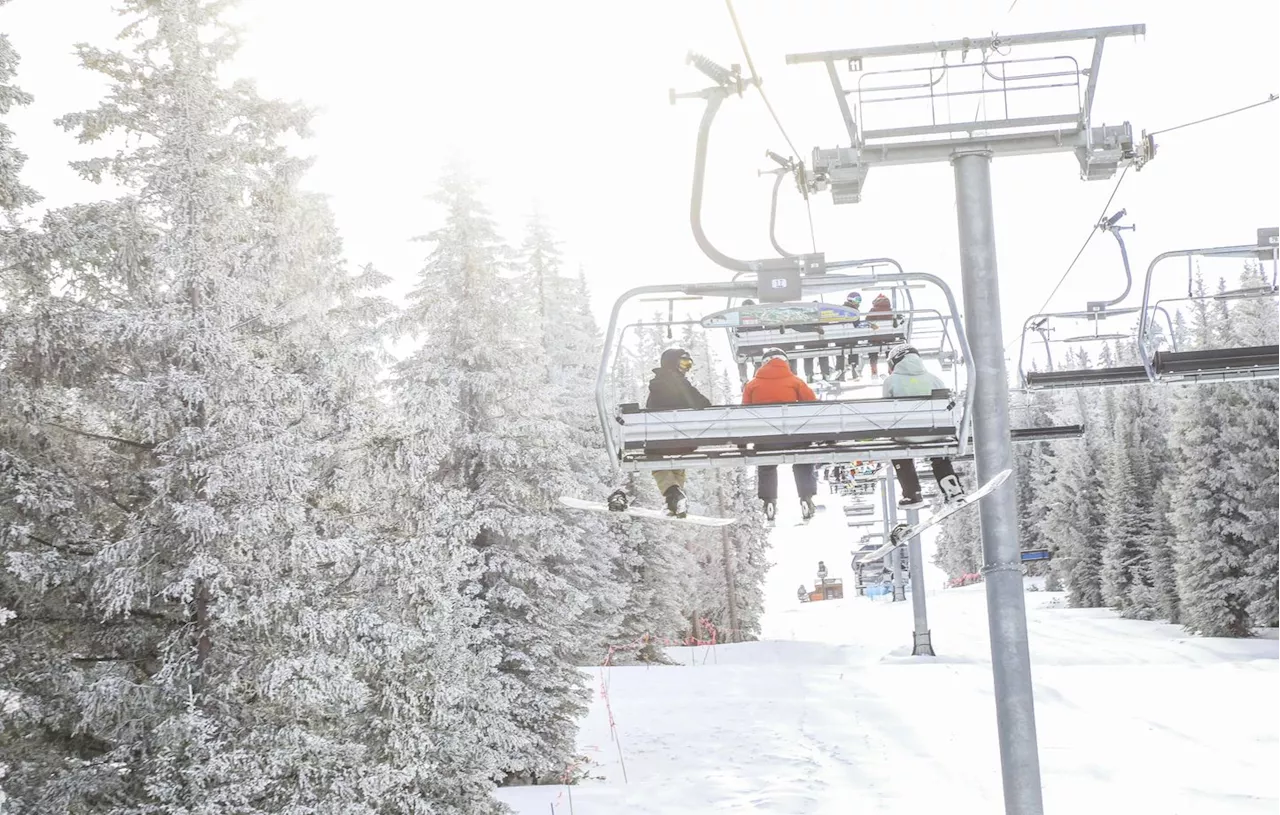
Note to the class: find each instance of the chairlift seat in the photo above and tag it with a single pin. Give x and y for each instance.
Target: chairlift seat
(751, 344)
(788, 433)
(1210, 365)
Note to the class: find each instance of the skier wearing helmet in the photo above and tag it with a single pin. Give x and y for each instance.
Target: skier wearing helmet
(671, 390)
(908, 377)
(852, 301)
(775, 383)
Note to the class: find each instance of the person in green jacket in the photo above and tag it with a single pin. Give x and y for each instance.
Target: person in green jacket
(909, 377)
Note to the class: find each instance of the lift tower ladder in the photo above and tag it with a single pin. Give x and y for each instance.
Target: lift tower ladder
(966, 101)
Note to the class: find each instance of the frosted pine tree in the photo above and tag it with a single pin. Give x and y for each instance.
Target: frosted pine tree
(1126, 516)
(1072, 519)
(570, 348)
(1213, 545)
(474, 395)
(1255, 468)
(1034, 410)
(20, 478)
(214, 610)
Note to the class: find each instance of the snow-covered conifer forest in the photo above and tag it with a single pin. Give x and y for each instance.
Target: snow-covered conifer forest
(257, 561)
(1167, 508)
(252, 563)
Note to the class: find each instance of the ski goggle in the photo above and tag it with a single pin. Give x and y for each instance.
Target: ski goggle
(686, 363)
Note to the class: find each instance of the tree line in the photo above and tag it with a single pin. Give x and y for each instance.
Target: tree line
(1166, 509)
(252, 561)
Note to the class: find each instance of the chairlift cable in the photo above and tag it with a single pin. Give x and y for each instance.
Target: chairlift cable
(1270, 98)
(755, 80)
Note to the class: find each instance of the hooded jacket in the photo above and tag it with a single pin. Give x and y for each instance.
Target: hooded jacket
(911, 378)
(882, 310)
(774, 383)
(670, 389)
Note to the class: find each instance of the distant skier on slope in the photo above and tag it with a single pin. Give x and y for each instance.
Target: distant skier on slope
(908, 377)
(670, 389)
(775, 383)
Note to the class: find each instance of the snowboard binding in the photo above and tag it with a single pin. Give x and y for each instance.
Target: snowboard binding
(618, 501)
(900, 534)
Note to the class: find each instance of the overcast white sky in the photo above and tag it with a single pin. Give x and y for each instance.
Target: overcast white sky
(567, 102)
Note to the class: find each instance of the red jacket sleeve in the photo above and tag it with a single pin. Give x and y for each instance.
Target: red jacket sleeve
(747, 391)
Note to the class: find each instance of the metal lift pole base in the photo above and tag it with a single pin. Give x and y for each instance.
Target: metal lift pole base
(922, 645)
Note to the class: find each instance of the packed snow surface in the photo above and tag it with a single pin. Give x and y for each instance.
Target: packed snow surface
(829, 712)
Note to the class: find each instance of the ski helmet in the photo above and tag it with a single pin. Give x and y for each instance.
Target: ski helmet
(900, 353)
(855, 297)
(774, 353)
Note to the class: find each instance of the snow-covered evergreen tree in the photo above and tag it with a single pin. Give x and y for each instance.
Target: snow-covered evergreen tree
(1126, 514)
(1072, 520)
(18, 480)
(203, 593)
(570, 348)
(1255, 468)
(1214, 543)
(476, 401)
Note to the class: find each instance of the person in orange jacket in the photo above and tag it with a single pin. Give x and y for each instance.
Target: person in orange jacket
(775, 383)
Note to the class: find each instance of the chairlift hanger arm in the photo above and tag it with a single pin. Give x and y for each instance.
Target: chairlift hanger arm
(1112, 225)
(729, 81)
(773, 215)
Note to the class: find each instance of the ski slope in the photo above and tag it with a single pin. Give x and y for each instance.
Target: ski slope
(829, 713)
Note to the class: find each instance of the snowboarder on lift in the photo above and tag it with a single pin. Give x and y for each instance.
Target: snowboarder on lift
(774, 383)
(852, 301)
(670, 389)
(908, 377)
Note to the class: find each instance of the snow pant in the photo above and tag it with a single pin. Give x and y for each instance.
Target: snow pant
(824, 365)
(767, 481)
(875, 358)
(855, 362)
(905, 469)
(668, 478)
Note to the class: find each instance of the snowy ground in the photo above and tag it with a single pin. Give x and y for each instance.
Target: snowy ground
(829, 712)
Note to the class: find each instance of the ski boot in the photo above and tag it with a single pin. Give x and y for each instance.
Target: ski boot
(770, 510)
(911, 501)
(618, 501)
(677, 504)
(807, 509)
(951, 490)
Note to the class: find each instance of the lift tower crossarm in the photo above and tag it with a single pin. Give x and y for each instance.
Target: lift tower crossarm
(969, 44)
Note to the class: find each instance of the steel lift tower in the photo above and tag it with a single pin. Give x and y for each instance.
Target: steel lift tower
(1007, 105)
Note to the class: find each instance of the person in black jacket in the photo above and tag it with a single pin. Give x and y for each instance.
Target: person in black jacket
(671, 390)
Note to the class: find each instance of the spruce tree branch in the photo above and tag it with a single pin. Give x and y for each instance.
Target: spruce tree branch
(114, 439)
(72, 549)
